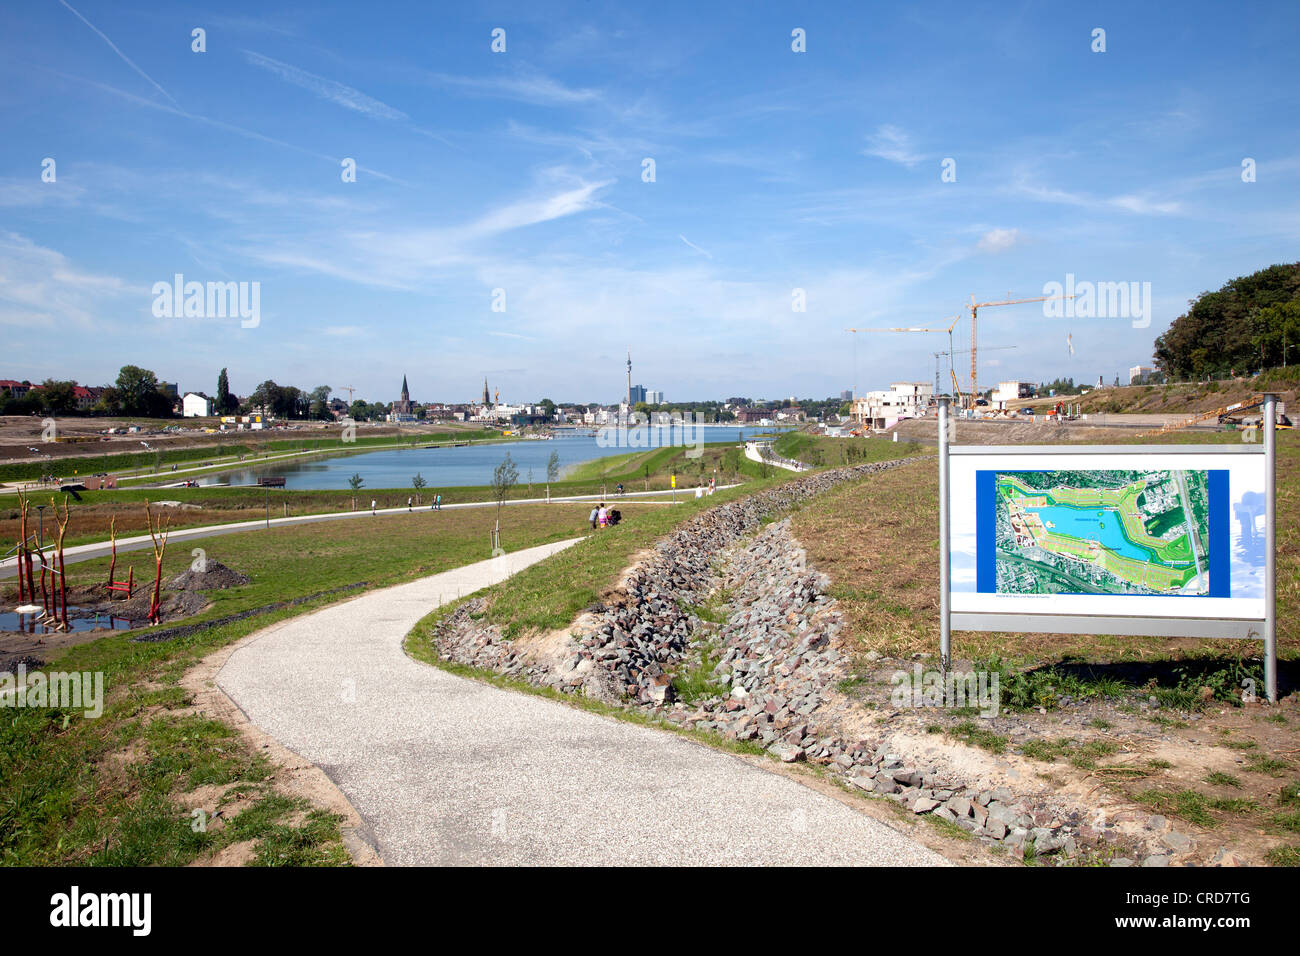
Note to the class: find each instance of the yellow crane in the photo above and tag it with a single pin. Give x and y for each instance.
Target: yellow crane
(974, 317)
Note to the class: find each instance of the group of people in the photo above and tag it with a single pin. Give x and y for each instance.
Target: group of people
(603, 517)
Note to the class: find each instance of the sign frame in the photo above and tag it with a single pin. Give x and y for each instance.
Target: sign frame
(1146, 625)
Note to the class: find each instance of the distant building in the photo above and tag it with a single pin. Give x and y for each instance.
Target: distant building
(1010, 391)
(403, 408)
(884, 408)
(194, 405)
(846, 395)
(654, 397)
(1139, 374)
(636, 393)
(14, 388)
(169, 389)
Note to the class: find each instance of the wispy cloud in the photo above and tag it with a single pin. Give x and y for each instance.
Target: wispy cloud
(891, 143)
(218, 124)
(526, 86)
(326, 89)
(40, 287)
(125, 59)
(702, 252)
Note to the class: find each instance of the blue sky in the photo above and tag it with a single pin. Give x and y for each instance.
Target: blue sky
(522, 171)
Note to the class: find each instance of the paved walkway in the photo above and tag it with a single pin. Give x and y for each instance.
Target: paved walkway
(754, 453)
(446, 770)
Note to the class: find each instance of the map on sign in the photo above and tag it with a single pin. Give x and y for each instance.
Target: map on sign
(1102, 532)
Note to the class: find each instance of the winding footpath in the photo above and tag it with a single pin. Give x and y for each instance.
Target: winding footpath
(445, 770)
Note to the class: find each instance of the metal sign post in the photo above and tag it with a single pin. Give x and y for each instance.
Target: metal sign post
(1157, 540)
(945, 607)
(1270, 544)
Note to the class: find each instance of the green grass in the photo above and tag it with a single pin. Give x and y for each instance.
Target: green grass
(820, 451)
(1220, 779)
(551, 593)
(113, 790)
(969, 732)
(1194, 806)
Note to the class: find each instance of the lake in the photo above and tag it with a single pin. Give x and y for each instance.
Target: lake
(449, 466)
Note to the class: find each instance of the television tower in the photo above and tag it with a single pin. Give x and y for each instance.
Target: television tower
(629, 379)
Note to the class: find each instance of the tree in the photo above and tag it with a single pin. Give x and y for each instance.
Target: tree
(225, 401)
(418, 483)
(58, 397)
(504, 477)
(136, 388)
(355, 483)
(552, 472)
(548, 407)
(320, 403)
(1235, 329)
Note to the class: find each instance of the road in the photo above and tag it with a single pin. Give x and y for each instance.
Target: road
(445, 770)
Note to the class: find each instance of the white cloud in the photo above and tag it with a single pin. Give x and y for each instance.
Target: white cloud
(39, 287)
(999, 240)
(891, 143)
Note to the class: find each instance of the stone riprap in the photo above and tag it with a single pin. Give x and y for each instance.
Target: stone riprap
(763, 667)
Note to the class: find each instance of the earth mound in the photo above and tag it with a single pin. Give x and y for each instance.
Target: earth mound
(215, 576)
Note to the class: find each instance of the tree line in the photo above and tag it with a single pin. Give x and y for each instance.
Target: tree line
(1250, 324)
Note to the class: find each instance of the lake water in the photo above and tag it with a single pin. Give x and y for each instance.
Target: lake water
(449, 467)
(1091, 524)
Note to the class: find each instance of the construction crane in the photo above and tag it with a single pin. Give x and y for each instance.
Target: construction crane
(351, 390)
(937, 355)
(974, 317)
(949, 331)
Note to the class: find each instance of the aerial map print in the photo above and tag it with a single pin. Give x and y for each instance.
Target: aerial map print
(1102, 532)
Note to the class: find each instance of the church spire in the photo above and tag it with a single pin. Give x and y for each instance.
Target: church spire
(406, 392)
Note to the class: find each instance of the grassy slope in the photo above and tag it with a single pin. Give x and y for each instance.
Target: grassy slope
(879, 542)
(820, 451)
(114, 790)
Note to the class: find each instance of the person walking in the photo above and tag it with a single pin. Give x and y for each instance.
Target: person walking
(437, 500)
(408, 503)
(372, 506)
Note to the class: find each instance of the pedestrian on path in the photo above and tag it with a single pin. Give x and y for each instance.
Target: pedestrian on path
(408, 503)
(372, 506)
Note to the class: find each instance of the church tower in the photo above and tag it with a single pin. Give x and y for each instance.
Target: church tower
(487, 398)
(403, 405)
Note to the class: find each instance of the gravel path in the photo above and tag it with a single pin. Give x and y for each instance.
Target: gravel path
(452, 771)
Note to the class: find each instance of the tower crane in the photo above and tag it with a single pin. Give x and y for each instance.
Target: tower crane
(974, 316)
(995, 348)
